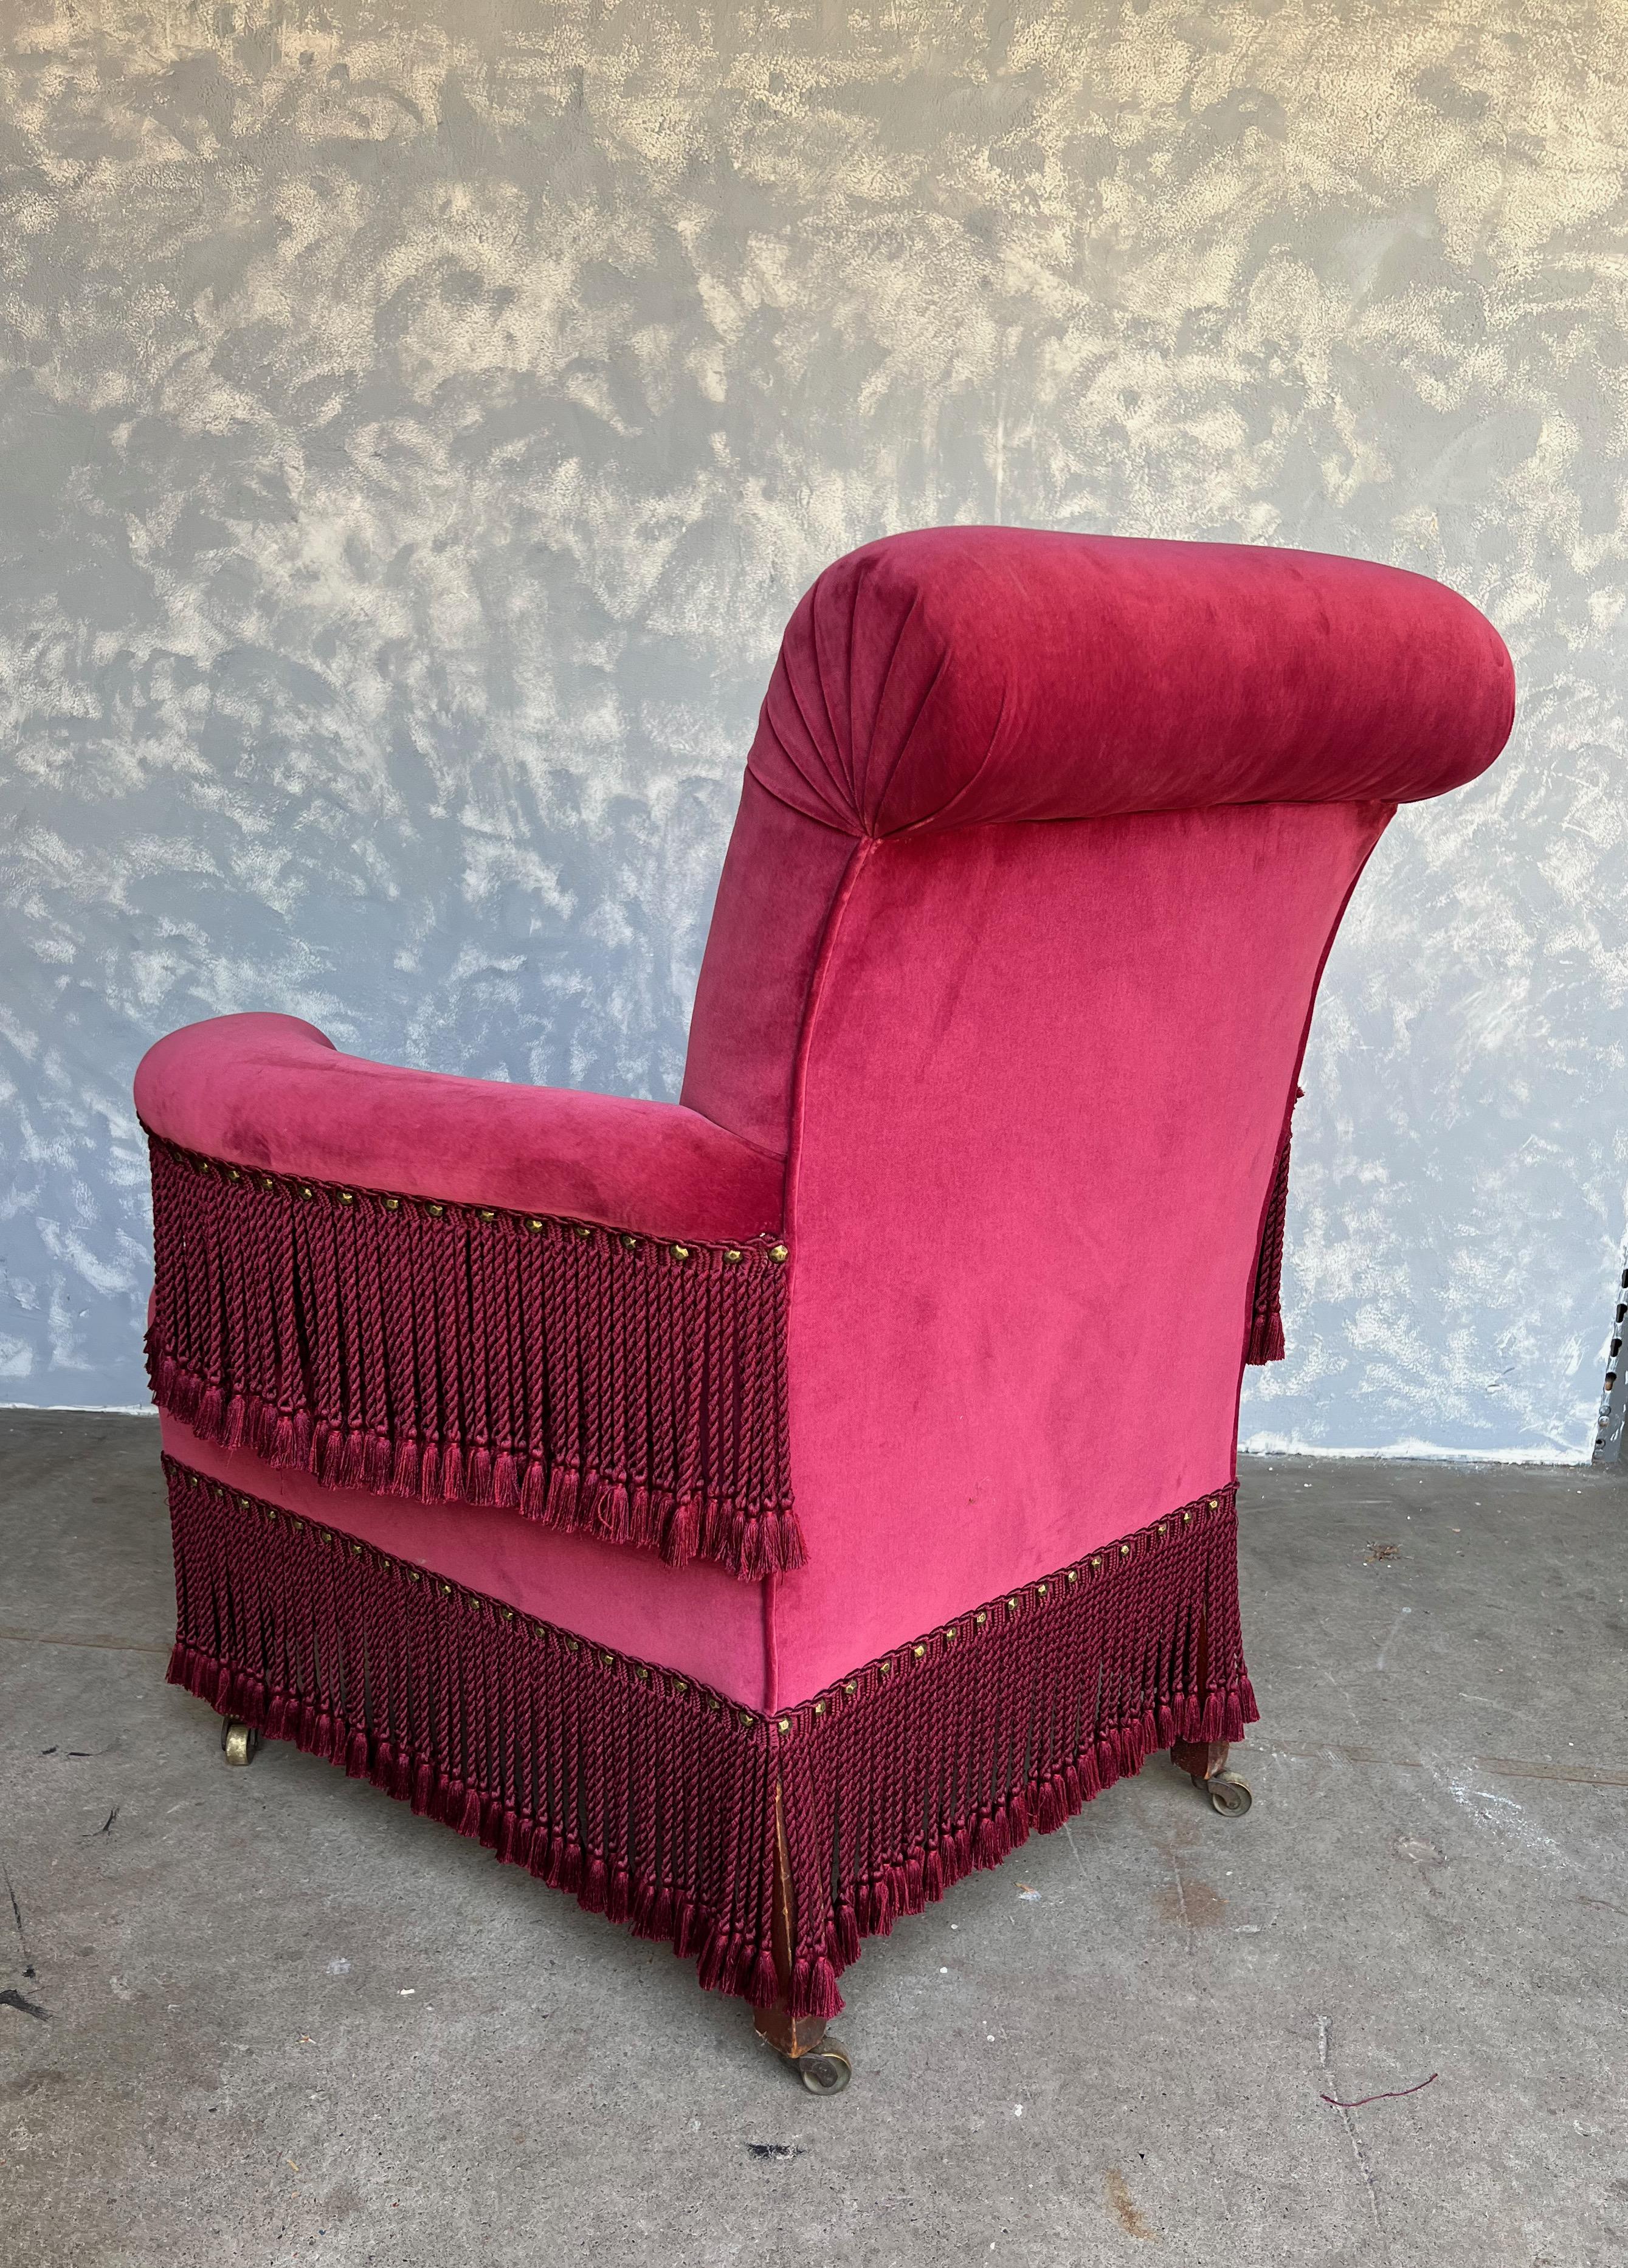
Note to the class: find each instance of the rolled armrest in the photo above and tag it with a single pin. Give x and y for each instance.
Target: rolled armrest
(272, 1092)
(466, 1292)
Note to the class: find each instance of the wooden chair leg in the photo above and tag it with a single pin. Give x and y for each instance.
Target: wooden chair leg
(1202, 1758)
(1205, 1761)
(820, 2061)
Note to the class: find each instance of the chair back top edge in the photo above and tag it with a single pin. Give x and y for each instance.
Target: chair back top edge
(961, 676)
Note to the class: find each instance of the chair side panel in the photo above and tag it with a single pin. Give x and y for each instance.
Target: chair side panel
(1041, 1104)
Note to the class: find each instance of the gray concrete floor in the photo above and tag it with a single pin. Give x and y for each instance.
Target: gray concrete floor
(268, 2016)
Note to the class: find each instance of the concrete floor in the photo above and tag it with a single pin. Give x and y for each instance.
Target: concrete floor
(268, 2016)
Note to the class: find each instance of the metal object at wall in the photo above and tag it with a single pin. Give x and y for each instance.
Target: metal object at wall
(1608, 1441)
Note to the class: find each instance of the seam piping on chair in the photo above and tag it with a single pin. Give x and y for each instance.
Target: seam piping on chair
(855, 865)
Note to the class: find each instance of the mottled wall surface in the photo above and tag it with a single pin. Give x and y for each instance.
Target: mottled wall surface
(418, 420)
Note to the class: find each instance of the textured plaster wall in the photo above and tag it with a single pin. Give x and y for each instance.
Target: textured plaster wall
(418, 420)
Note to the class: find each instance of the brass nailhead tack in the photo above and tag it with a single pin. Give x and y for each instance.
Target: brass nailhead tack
(785, 1724)
(981, 1617)
(1163, 1530)
(640, 1672)
(818, 1708)
(732, 1254)
(629, 1244)
(1124, 1551)
(609, 1660)
(583, 1230)
(679, 1685)
(244, 1501)
(681, 1252)
(487, 1213)
(508, 1614)
(446, 1590)
(347, 1197)
(745, 1716)
(884, 1669)
(951, 1635)
(1073, 1575)
(1096, 1563)
(1212, 1504)
(266, 1182)
(1011, 1604)
(356, 1550)
(534, 1224)
(412, 1574)
(393, 1204)
(1187, 1520)
(918, 1650)
(570, 1645)
(232, 1174)
(852, 1685)
(435, 1208)
(305, 1189)
(1040, 1590)
(778, 1252)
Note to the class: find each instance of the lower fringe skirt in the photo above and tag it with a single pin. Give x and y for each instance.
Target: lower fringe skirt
(650, 1798)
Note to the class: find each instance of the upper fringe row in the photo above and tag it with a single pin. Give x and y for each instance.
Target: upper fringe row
(765, 1247)
(592, 1379)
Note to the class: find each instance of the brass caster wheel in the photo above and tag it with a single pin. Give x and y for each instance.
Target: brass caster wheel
(1229, 1794)
(238, 1742)
(827, 2071)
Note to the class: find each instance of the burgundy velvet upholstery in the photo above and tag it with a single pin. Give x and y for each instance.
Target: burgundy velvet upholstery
(272, 1092)
(961, 677)
(1043, 843)
(1042, 1097)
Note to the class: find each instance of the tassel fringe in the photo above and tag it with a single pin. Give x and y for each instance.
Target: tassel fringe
(651, 1798)
(1265, 1342)
(591, 1379)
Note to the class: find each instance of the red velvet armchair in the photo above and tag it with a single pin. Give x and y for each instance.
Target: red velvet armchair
(753, 1512)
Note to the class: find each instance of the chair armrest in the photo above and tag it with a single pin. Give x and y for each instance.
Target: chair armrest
(271, 1092)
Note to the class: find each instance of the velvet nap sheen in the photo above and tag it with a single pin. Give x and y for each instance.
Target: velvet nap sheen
(1043, 1087)
(273, 1092)
(968, 676)
(957, 676)
(1011, 1091)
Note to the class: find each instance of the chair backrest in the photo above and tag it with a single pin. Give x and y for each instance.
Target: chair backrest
(1043, 843)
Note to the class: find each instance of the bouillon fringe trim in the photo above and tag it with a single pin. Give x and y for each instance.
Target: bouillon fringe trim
(652, 1799)
(592, 1379)
(1266, 1341)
